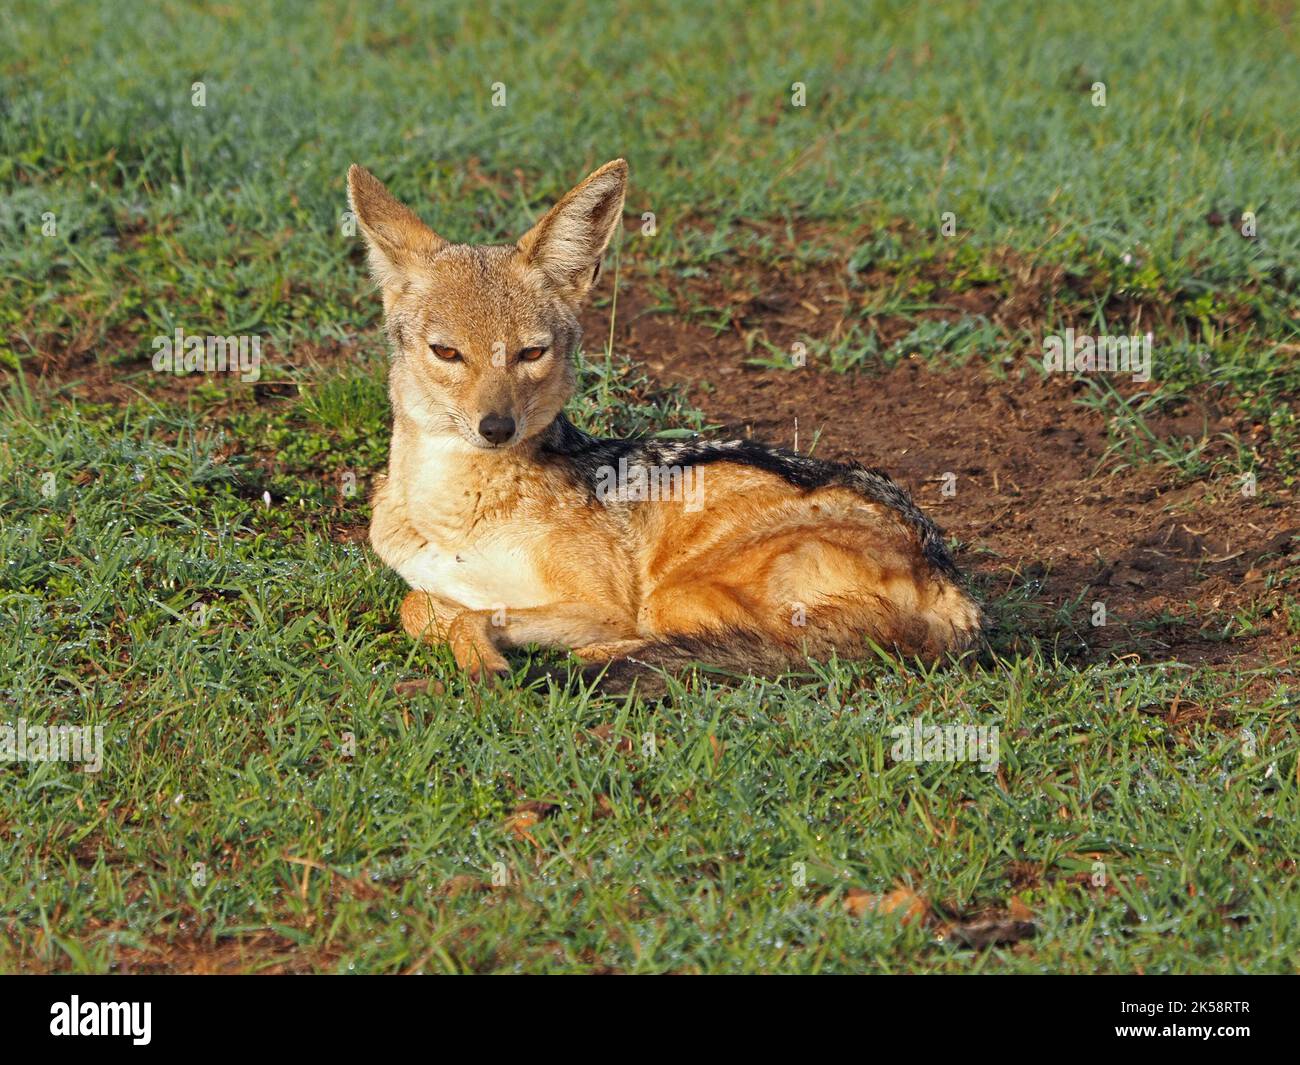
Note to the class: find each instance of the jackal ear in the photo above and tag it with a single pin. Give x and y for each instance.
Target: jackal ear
(566, 245)
(395, 237)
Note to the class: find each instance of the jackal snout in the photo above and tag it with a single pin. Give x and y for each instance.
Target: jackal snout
(482, 337)
(497, 428)
(502, 404)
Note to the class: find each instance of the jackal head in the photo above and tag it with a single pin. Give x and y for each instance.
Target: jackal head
(483, 336)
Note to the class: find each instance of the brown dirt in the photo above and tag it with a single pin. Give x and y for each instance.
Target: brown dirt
(79, 372)
(266, 953)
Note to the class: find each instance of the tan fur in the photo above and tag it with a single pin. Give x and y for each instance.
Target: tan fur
(503, 548)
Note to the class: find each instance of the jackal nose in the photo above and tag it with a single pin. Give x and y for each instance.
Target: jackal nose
(496, 428)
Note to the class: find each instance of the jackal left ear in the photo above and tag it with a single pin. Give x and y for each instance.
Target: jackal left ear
(395, 237)
(567, 244)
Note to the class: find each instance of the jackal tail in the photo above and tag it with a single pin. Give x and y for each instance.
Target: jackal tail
(951, 627)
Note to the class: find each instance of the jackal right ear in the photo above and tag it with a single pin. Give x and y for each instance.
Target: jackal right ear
(395, 237)
(567, 244)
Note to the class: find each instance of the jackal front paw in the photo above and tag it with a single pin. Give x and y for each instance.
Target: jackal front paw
(472, 648)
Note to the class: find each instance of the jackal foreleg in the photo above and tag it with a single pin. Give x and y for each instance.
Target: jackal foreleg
(477, 637)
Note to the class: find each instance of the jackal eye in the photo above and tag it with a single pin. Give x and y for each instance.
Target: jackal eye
(531, 354)
(445, 353)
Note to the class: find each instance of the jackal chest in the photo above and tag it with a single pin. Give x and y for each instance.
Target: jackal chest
(480, 551)
(497, 569)
(481, 541)
(486, 531)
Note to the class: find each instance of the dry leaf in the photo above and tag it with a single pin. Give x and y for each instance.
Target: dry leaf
(902, 900)
(422, 686)
(990, 931)
(519, 823)
(1019, 910)
(528, 814)
(462, 884)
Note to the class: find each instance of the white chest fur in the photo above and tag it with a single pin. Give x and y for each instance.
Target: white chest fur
(476, 554)
(481, 576)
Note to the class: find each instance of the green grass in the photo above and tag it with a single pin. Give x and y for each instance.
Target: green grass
(229, 647)
(230, 213)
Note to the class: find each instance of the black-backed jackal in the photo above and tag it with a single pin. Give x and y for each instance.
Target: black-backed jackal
(513, 527)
